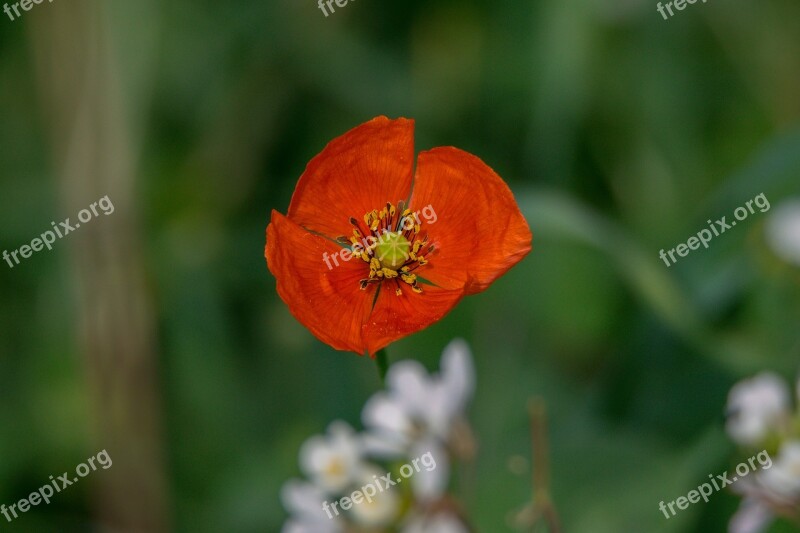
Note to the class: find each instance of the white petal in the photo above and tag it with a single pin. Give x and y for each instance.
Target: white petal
(752, 517)
(341, 430)
(345, 442)
(410, 385)
(783, 478)
(296, 526)
(378, 509)
(450, 393)
(386, 415)
(293, 526)
(333, 460)
(458, 371)
(457, 379)
(301, 498)
(383, 445)
(313, 454)
(443, 409)
(446, 524)
(757, 406)
(748, 429)
(783, 231)
(790, 451)
(430, 483)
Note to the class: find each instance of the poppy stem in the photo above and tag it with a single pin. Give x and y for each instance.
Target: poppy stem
(383, 364)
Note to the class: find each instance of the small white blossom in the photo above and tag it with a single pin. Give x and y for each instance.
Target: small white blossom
(418, 412)
(756, 407)
(421, 420)
(333, 461)
(417, 404)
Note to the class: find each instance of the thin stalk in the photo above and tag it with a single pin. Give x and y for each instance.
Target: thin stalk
(383, 364)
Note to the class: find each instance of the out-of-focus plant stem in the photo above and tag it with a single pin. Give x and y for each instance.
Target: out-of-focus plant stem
(94, 155)
(541, 511)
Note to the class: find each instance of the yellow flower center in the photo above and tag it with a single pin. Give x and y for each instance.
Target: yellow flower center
(389, 242)
(335, 468)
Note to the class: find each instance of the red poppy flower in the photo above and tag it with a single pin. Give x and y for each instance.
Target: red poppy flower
(362, 265)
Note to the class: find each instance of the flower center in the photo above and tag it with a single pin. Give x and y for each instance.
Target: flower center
(389, 242)
(392, 250)
(335, 468)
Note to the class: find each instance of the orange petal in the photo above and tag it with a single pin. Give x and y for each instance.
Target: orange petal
(395, 317)
(327, 301)
(479, 231)
(360, 171)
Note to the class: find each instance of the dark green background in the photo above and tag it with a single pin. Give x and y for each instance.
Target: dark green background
(620, 134)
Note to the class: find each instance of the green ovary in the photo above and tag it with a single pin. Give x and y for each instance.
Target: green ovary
(392, 250)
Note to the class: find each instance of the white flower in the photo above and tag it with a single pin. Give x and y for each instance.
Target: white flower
(437, 523)
(417, 403)
(752, 517)
(378, 510)
(783, 231)
(305, 503)
(783, 478)
(333, 461)
(418, 412)
(757, 406)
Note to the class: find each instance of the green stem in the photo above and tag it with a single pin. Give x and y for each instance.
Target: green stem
(383, 364)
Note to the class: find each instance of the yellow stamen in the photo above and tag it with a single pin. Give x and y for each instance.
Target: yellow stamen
(395, 249)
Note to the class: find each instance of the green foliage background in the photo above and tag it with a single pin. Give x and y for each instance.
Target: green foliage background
(619, 132)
